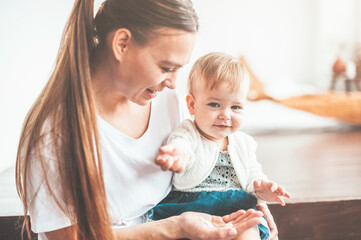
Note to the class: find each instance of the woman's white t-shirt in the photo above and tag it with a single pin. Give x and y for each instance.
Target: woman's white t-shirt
(133, 182)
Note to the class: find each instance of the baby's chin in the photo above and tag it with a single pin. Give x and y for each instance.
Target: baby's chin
(216, 137)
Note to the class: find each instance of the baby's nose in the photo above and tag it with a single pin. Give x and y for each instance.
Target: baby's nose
(225, 115)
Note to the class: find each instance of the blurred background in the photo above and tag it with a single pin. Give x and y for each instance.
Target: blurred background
(290, 46)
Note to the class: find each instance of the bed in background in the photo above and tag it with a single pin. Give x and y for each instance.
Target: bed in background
(269, 117)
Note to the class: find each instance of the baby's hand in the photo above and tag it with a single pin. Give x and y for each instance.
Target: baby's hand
(170, 158)
(270, 191)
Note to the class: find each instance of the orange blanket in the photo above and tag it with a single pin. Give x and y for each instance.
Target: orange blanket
(342, 106)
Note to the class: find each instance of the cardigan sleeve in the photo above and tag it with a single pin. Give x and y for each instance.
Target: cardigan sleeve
(185, 135)
(255, 168)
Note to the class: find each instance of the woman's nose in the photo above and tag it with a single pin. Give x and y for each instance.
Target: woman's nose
(169, 83)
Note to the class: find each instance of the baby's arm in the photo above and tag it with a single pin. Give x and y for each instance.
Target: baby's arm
(270, 191)
(258, 181)
(173, 157)
(178, 154)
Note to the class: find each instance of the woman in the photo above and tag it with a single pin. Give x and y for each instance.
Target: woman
(85, 164)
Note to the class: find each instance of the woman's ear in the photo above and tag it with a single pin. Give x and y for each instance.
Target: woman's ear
(190, 103)
(120, 42)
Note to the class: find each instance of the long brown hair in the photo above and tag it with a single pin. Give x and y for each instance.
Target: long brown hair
(64, 116)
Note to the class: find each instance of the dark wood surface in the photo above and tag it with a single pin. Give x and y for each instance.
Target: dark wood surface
(10, 228)
(323, 166)
(337, 220)
(322, 171)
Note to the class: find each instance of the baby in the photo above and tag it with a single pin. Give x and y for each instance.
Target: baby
(215, 165)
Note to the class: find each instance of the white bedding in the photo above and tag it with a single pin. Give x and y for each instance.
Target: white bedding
(267, 117)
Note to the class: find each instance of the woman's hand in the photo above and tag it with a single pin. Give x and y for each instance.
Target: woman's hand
(201, 226)
(270, 221)
(270, 191)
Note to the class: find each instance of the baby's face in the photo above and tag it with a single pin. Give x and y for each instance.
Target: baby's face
(218, 112)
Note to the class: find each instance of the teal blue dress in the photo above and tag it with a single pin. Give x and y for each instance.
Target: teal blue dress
(219, 194)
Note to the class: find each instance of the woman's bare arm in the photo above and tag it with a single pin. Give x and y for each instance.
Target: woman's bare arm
(163, 229)
(193, 225)
(60, 234)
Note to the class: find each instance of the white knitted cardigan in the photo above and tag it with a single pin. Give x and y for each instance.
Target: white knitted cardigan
(204, 154)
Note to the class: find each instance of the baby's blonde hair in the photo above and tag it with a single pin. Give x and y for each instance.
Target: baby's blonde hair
(218, 69)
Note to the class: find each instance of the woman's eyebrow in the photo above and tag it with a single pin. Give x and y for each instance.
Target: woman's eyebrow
(170, 63)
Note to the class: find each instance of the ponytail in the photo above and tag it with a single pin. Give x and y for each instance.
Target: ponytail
(67, 102)
(83, 161)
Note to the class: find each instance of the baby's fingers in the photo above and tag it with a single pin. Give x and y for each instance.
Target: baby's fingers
(178, 165)
(257, 184)
(273, 186)
(159, 160)
(287, 195)
(164, 161)
(280, 200)
(282, 192)
(169, 149)
(168, 163)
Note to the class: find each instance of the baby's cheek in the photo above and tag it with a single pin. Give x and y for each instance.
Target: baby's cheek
(237, 123)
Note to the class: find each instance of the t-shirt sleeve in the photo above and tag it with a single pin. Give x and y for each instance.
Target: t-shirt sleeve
(45, 213)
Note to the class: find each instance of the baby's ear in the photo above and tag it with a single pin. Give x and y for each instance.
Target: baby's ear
(190, 103)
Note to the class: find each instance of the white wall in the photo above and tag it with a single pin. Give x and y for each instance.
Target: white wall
(29, 41)
(272, 35)
(30, 35)
(285, 42)
(339, 29)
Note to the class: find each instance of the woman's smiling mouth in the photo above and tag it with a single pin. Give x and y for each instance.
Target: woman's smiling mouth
(152, 93)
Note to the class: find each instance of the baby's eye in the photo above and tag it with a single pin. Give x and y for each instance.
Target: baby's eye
(213, 104)
(168, 69)
(235, 107)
